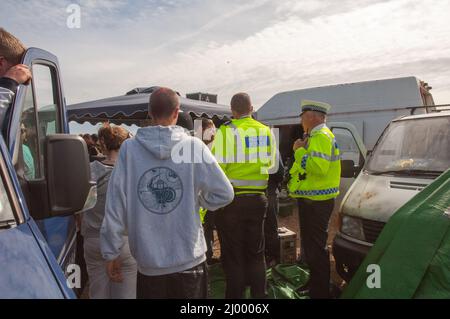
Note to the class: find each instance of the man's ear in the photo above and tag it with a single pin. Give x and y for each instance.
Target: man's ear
(4, 66)
(175, 113)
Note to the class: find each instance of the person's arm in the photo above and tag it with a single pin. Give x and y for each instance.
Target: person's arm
(276, 178)
(316, 159)
(16, 75)
(215, 189)
(114, 223)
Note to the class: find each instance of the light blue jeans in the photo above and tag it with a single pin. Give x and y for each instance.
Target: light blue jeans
(100, 286)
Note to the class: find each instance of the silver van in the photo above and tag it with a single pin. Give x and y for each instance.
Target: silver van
(409, 155)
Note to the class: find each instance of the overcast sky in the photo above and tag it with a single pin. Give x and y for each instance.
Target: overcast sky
(224, 46)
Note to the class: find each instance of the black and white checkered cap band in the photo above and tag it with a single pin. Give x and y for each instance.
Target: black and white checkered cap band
(316, 108)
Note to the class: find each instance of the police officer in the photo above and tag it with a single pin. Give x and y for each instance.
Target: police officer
(315, 178)
(243, 147)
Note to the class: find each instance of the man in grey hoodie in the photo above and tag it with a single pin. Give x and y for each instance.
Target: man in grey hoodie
(154, 195)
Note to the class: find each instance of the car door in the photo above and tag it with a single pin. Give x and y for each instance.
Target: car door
(351, 147)
(39, 111)
(28, 267)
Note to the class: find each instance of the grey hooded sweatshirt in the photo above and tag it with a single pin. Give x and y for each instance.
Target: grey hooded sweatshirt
(156, 188)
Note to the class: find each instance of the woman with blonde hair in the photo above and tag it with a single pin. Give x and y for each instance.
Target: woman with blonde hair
(100, 285)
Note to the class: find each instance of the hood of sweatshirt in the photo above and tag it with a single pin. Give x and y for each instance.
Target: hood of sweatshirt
(159, 140)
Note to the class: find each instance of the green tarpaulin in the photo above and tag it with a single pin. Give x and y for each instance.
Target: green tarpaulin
(282, 282)
(412, 251)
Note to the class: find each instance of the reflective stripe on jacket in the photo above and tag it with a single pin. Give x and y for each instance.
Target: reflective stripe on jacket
(316, 171)
(244, 149)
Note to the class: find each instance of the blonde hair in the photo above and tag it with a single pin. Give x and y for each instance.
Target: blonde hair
(112, 136)
(10, 47)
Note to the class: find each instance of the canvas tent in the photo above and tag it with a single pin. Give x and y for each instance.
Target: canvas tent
(132, 109)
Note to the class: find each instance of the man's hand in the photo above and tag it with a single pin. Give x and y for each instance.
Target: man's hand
(299, 143)
(19, 73)
(113, 268)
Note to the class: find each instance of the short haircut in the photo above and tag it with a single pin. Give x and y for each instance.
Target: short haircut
(320, 114)
(10, 47)
(241, 103)
(163, 102)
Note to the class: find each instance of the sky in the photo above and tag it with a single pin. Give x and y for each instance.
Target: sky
(261, 47)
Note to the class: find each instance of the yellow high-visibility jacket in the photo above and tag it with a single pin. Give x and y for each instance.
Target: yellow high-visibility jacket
(316, 172)
(245, 150)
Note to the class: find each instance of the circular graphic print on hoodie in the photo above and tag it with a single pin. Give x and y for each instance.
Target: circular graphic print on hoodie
(160, 190)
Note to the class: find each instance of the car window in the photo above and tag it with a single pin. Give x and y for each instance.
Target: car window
(46, 95)
(347, 145)
(416, 144)
(6, 212)
(28, 159)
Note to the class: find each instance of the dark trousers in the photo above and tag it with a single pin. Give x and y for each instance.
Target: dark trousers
(314, 219)
(272, 241)
(241, 231)
(208, 230)
(188, 284)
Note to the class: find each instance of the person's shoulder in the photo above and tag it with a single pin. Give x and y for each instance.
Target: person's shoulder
(196, 141)
(262, 128)
(225, 124)
(99, 169)
(323, 134)
(129, 142)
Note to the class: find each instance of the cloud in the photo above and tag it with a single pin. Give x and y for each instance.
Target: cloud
(222, 47)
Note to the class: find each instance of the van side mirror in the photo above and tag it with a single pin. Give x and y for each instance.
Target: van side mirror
(69, 185)
(348, 169)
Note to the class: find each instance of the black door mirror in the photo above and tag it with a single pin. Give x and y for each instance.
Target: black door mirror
(348, 169)
(69, 185)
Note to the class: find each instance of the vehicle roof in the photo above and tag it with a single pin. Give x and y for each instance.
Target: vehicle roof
(421, 116)
(350, 97)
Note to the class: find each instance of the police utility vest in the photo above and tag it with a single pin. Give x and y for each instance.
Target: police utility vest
(316, 172)
(244, 149)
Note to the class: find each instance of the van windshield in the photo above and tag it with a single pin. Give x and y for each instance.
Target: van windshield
(413, 147)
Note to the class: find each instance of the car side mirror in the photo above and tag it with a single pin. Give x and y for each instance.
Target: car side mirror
(69, 186)
(348, 169)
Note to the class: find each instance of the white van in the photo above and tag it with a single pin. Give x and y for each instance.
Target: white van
(409, 155)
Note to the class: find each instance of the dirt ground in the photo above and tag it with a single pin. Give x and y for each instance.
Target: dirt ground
(291, 222)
